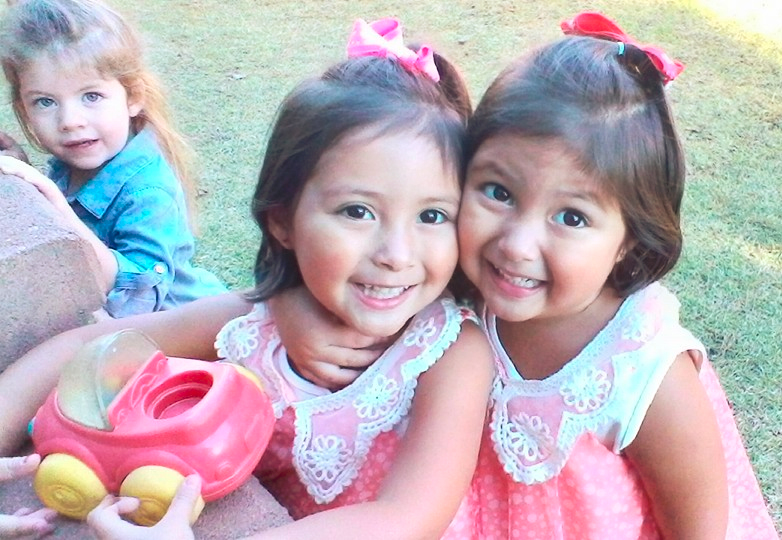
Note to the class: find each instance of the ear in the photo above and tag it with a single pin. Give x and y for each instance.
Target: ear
(278, 223)
(627, 247)
(136, 100)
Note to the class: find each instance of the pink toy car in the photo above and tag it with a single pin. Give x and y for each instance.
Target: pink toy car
(126, 419)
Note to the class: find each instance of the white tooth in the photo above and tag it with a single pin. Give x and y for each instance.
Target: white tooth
(383, 292)
(527, 283)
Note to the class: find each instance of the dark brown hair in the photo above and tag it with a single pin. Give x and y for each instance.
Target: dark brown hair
(357, 94)
(610, 110)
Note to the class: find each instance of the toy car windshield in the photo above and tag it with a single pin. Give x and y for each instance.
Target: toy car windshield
(98, 372)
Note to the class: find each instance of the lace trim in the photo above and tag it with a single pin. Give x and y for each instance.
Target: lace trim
(250, 340)
(535, 424)
(380, 399)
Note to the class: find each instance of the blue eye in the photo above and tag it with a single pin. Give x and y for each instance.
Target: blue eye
(432, 217)
(496, 192)
(92, 97)
(571, 218)
(43, 102)
(356, 211)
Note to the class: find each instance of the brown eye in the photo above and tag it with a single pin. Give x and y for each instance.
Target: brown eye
(496, 192)
(570, 218)
(357, 211)
(432, 216)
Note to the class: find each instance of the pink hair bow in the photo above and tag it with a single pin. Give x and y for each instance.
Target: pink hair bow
(383, 38)
(598, 25)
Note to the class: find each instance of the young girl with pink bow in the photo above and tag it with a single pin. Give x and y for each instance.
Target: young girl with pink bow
(606, 418)
(357, 201)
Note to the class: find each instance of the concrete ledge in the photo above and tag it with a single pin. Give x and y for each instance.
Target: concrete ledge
(48, 273)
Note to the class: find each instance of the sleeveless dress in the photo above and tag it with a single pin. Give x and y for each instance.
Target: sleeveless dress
(334, 449)
(551, 465)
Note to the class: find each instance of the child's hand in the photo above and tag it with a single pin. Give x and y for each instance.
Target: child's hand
(24, 522)
(323, 349)
(106, 523)
(12, 166)
(9, 147)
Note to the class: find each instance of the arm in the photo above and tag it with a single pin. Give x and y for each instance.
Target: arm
(188, 331)
(679, 456)
(436, 459)
(322, 348)
(47, 188)
(147, 233)
(24, 522)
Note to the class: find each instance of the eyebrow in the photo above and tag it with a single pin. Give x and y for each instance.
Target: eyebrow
(91, 87)
(593, 196)
(337, 192)
(487, 165)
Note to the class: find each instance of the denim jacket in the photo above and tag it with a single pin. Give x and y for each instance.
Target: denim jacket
(136, 206)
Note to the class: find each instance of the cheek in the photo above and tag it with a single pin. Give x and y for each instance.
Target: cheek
(319, 258)
(472, 233)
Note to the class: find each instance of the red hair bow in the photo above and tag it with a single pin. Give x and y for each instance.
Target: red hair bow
(384, 38)
(598, 25)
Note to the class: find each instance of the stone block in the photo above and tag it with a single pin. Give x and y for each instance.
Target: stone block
(48, 274)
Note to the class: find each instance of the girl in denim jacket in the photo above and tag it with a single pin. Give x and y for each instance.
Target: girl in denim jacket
(119, 172)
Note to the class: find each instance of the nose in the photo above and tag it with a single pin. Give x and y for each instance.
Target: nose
(71, 116)
(395, 248)
(521, 240)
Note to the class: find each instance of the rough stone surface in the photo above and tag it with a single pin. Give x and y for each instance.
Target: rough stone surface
(48, 281)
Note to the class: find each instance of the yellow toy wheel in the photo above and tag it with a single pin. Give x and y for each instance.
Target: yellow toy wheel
(66, 484)
(154, 486)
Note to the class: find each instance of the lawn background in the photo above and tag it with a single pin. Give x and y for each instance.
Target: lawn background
(227, 65)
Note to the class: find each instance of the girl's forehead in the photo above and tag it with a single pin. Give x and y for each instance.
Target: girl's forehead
(61, 61)
(528, 161)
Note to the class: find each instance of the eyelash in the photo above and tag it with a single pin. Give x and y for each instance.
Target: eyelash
(490, 190)
(571, 212)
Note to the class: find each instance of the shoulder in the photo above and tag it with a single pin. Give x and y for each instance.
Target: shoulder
(141, 164)
(241, 336)
(468, 362)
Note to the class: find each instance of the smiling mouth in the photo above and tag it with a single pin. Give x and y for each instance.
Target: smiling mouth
(517, 281)
(80, 144)
(382, 293)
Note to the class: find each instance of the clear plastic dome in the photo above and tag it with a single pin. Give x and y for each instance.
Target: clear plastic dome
(98, 372)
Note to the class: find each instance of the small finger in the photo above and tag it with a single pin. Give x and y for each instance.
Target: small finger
(16, 467)
(331, 376)
(185, 501)
(357, 358)
(17, 526)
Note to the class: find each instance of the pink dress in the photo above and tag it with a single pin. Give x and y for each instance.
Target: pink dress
(551, 464)
(334, 449)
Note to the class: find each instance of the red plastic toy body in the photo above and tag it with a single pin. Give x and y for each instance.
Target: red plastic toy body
(188, 416)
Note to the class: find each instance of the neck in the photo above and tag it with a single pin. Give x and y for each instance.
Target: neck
(539, 348)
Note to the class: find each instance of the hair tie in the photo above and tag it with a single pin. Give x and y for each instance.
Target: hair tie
(383, 38)
(621, 48)
(597, 25)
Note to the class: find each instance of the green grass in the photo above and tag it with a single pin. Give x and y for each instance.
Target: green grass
(228, 65)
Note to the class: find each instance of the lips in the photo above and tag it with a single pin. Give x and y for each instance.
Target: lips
(81, 143)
